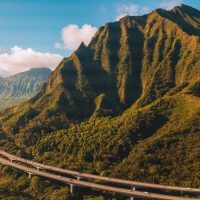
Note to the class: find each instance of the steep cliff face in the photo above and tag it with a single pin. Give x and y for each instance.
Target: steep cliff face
(144, 71)
(149, 55)
(21, 87)
(136, 57)
(133, 61)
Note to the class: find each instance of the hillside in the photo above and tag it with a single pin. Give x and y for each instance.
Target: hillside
(21, 87)
(127, 105)
(150, 144)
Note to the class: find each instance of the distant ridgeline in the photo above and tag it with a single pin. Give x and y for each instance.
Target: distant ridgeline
(21, 87)
(127, 105)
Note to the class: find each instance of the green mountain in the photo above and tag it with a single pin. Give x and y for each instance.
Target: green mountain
(127, 105)
(21, 87)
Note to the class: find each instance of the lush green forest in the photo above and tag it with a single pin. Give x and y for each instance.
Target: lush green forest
(127, 105)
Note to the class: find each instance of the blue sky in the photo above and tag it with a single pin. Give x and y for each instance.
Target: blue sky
(37, 24)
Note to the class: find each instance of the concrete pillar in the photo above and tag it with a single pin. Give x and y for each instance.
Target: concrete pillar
(78, 178)
(11, 159)
(72, 189)
(38, 168)
(29, 175)
(132, 198)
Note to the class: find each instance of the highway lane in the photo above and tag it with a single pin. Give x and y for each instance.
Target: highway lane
(96, 177)
(91, 185)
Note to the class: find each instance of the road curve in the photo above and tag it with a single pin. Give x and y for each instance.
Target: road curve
(96, 177)
(91, 185)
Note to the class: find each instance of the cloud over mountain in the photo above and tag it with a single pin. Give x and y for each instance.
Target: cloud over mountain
(72, 36)
(18, 59)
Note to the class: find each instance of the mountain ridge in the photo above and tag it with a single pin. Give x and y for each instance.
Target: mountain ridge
(112, 66)
(127, 105)
(21, 87)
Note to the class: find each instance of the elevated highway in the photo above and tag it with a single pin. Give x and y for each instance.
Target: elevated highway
(37, 170)
(96, 177)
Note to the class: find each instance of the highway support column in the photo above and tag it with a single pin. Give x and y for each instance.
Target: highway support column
(132, 198)
(72, 189)
(29, 175)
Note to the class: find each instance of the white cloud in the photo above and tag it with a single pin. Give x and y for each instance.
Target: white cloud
(18, 60)
(168, 5)
(73, 35)
(130, 9)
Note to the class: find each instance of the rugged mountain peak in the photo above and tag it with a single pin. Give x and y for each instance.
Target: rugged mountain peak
(81, 47)
(33, 72)
(82, 50)
(185, 17)
(21, 87)
(125, 18)
(144, 70)
(136, 60)
(40, 69)
(185, 9)
(188, 8)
